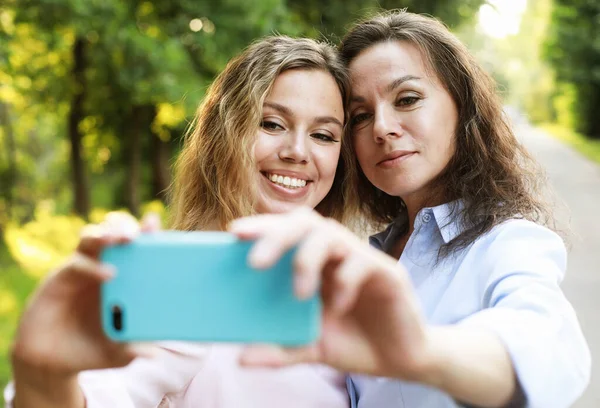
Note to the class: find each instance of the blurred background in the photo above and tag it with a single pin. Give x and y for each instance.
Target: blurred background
(95, 96)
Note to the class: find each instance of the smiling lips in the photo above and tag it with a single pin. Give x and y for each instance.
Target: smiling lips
(394, 158)
(286, 181)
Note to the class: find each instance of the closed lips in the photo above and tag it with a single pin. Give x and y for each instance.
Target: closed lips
(396, 155)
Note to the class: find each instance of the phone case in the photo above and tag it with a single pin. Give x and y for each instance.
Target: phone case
(197, 286)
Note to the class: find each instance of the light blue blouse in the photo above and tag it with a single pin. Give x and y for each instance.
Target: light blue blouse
(508, 282)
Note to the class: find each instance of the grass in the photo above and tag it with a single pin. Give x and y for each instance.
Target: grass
(586, 146)
(15, 287)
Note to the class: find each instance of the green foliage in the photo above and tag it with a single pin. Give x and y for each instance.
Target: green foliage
(564, 100)
(34, 245)
(581, 143)
(330, 18)
(15, 287)
(573, 49)
(525, 80)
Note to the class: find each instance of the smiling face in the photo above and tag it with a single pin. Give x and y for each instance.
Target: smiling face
(298, 142)
(402, 120)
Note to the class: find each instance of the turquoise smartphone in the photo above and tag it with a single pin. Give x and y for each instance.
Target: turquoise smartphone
(197, 286)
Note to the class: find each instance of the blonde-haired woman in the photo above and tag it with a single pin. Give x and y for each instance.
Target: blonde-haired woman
(266, 139)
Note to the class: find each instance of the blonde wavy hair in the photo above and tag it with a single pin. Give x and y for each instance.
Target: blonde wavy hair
(212, 184)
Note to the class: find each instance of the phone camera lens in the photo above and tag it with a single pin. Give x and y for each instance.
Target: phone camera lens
(117, 318)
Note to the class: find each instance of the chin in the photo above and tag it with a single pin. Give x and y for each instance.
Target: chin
(394, 191)
(277, 208)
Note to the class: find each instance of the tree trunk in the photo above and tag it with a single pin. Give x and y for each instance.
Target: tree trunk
(9, 179)
(80, 183)
(134, 158)
(593, 118)
(161, 176)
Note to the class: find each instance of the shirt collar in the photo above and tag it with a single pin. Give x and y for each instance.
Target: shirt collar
(445, 218)
(388, 236)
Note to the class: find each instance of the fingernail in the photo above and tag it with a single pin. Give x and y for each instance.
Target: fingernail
(130, 231)
(152, 219)
(301, 287)
(109, 271)
(259, 259)
(240, 224)
(340, 301)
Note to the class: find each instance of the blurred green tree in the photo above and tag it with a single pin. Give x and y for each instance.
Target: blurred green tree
(573, 49)
(94, 90)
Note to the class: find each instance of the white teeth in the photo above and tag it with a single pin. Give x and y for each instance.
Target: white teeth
(286, 181)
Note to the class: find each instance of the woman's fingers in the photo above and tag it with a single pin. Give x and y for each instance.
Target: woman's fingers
(151, 223)
(93, 239)
(348, 279)
(78, 270)
(320, 242)
(122, 224)
(82, 266)
(322, 247)
(274, 234)
(117, 228)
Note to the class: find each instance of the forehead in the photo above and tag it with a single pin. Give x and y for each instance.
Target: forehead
(307, 90)
(386, 61)
(289, 80)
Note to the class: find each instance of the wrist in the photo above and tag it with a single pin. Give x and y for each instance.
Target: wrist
(471, 365)
(431, 370)
(39, 388)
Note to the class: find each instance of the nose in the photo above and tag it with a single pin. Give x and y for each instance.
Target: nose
(386, 124)
(294, 148)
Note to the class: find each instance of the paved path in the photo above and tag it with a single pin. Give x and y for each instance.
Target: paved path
(576, 181)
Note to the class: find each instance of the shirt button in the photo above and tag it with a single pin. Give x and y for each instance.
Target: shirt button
(426, 217)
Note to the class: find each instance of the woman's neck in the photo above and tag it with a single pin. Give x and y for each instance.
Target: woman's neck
(413, 205)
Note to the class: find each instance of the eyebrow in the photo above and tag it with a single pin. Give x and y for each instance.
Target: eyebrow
(397, 82)
(280, 108)
(287, 111)
(392, 85)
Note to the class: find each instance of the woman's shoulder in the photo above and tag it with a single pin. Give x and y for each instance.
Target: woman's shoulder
(519, 230)
(523, 245)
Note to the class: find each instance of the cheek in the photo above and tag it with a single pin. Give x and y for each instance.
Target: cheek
(446, 129)
(444, 145)
(326, 161)
(264, 147)
(435, 138)
(363, 150)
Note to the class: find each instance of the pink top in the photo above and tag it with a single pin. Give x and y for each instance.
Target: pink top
(185, 375)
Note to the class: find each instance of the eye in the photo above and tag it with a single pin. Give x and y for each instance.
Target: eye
(407, 101)
(323, 137)
(269, 125)
(357, 119)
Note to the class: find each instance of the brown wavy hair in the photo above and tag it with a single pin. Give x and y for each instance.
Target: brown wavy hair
(490, 172)
(212, 184)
